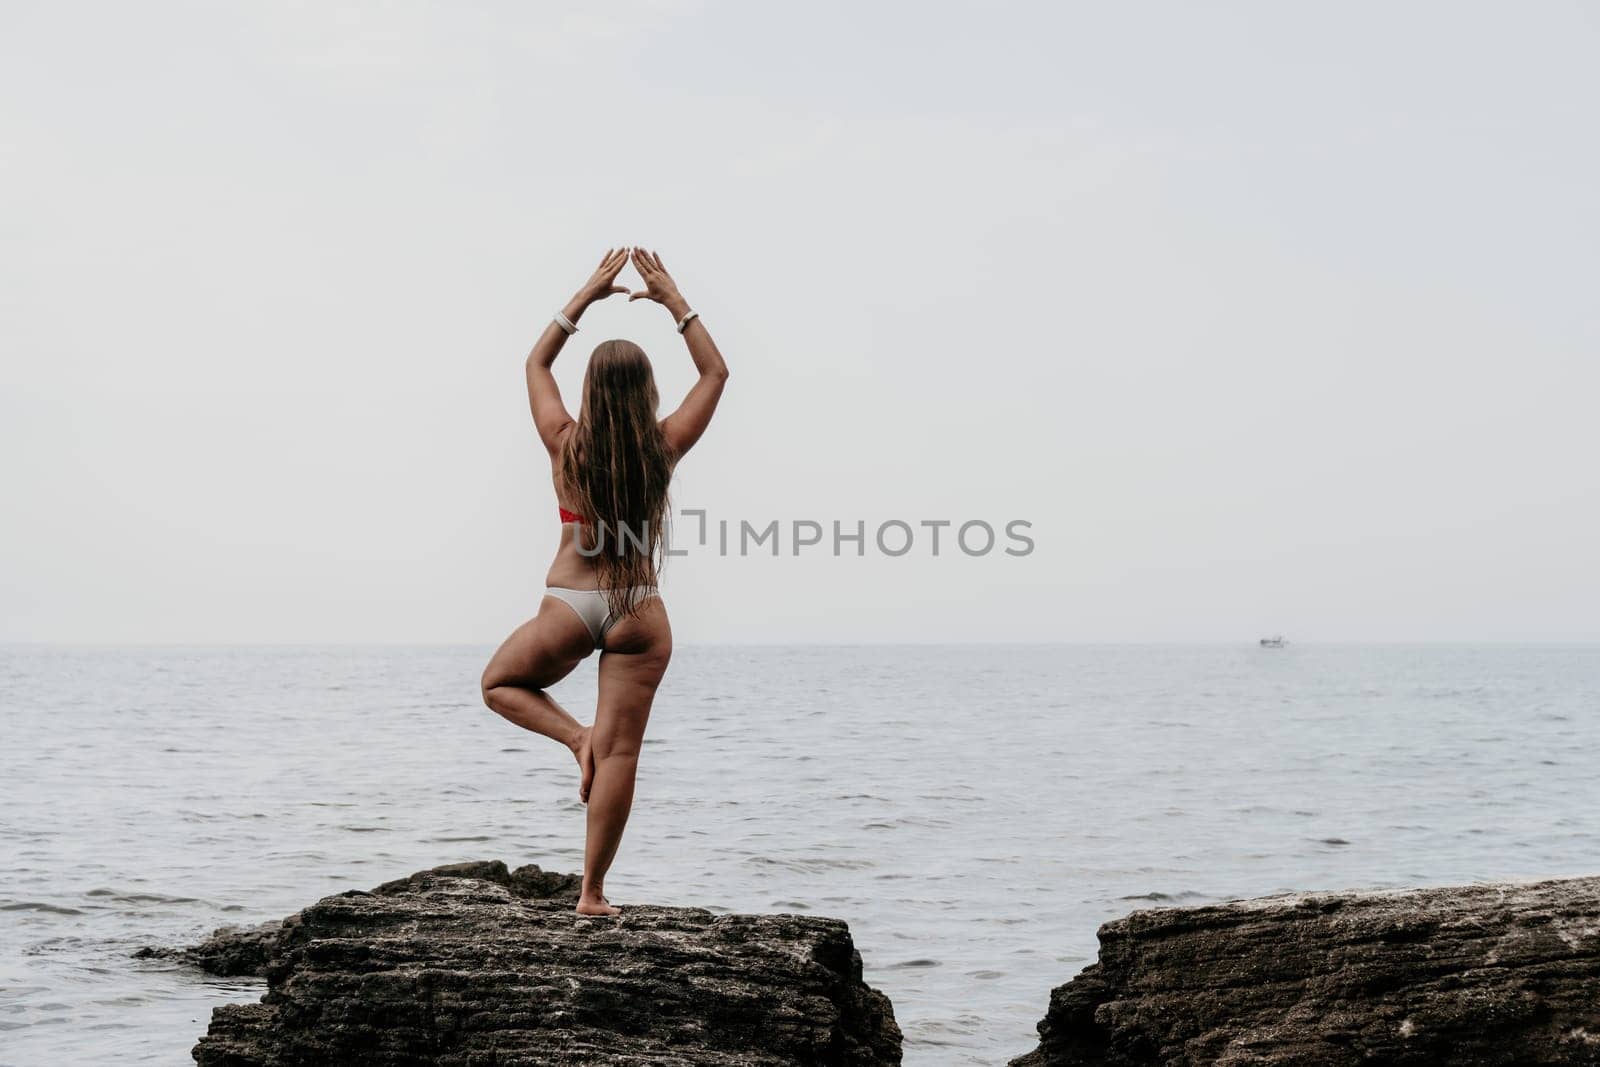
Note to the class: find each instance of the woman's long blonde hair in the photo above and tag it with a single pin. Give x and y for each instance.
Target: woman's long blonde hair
(615, 466)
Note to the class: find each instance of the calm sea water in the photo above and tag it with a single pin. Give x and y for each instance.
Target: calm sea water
(974, 812)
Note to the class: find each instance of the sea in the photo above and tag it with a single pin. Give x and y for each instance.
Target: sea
(974, 812)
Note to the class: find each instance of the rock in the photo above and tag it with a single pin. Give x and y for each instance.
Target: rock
(473, 964)
(235, 951)
(1486, 974)
(230, 951)
(528, 881)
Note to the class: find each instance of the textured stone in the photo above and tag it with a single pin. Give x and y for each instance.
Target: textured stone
(1487, 974)
(229, 952)
(237, 951)
(475, 965)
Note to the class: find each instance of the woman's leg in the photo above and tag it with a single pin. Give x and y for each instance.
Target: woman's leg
(540, 653)
(635, 658)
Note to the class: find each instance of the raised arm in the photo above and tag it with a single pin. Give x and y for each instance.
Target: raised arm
(550, 415)
(684, 426)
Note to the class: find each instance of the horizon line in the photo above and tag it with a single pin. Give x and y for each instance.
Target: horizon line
(1063, 642)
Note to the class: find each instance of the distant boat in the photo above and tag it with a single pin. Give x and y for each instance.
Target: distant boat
(1273, 642)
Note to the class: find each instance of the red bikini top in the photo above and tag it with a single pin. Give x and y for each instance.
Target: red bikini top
(570, 516)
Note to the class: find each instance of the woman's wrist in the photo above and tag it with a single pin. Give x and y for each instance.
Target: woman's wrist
(677, 305)
(577, 304)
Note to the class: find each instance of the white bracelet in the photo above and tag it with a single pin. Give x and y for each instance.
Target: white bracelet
(684, 322)
(566, 324)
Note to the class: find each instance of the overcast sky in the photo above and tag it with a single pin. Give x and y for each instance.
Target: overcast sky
(1266, 317)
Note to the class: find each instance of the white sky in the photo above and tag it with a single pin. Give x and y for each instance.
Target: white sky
(1267, 316)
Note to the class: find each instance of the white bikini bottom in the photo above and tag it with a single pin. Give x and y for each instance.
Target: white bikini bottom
(591, 606)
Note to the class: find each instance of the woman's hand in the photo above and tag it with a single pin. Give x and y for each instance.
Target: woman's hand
(659, 285)
(602, 283)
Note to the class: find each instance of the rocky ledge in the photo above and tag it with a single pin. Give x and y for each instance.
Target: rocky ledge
(473, 964)
(1485, 974)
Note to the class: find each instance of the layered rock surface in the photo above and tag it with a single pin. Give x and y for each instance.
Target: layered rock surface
(476, 965)
(1488, 974)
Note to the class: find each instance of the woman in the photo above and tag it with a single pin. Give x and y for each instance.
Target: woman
(611, 466)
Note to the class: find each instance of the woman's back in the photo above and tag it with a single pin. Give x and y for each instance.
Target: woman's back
(611, 467)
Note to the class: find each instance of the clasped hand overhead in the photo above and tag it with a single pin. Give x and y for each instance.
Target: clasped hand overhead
(658, 284)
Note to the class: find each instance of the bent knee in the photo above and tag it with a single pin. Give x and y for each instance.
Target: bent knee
(495, 692)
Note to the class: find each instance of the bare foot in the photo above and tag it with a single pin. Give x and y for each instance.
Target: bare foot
(597, 906)
(585, 753)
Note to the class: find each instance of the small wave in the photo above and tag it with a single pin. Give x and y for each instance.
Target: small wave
(820, 864)
(20, 991)
(908, 964)
(39, 905)
(452, 840)
(140, 898)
